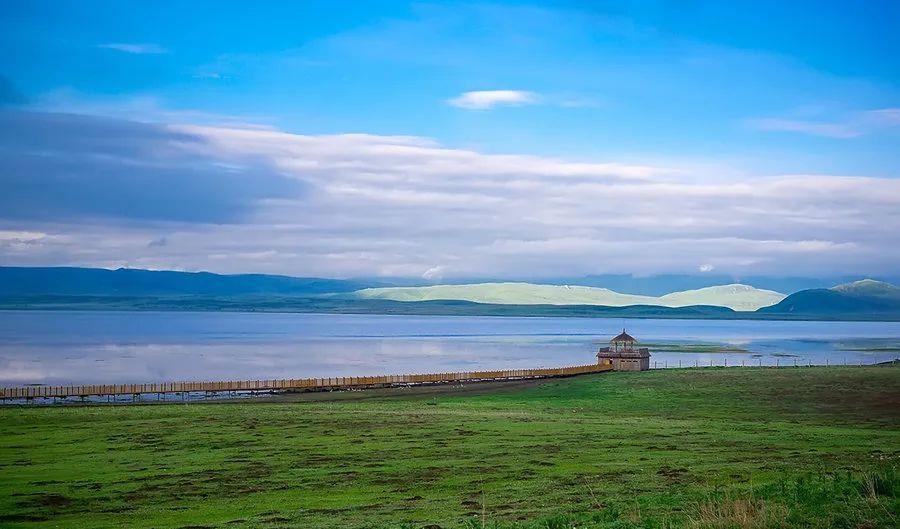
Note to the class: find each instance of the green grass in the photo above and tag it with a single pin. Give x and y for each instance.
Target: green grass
(695, 348)
(806, 447)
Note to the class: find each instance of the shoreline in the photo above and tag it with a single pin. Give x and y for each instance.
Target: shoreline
(387, 391)
(484, 311)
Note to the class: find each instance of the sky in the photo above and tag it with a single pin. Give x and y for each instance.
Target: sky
(437, 140)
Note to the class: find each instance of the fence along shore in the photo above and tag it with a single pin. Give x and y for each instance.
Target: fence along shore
(298, 384)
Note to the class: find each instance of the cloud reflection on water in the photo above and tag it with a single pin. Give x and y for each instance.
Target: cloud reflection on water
(110, 347)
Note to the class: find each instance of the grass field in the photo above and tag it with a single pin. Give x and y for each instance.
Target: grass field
(718, 448)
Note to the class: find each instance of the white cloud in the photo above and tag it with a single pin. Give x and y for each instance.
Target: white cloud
(395, 205)
(435, 273)
(706, 267)
(21, 236)
(136, 48)
(487, 99)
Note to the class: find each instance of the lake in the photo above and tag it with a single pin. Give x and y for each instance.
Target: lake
(61, 348)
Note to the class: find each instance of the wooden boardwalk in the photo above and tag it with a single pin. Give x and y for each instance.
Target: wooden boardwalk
(298, 384)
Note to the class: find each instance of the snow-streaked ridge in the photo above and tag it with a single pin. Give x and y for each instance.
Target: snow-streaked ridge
(735, 296)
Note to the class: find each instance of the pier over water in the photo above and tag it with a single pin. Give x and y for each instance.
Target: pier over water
(287, 385)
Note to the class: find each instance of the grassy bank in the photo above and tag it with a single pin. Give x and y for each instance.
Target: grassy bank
(810, 447)
(336, 304)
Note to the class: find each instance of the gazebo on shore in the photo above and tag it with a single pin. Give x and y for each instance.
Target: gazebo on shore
(623, 355)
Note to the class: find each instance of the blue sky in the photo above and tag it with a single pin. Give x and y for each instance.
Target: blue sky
(432, 125)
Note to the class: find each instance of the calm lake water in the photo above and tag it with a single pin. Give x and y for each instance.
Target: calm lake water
(134, 347)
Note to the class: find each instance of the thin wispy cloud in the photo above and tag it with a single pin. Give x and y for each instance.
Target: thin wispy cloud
(852, 125)
(209, 75)
(144, 108)
(814, 128)
(488, 99)
(135, 48)
(885, 116)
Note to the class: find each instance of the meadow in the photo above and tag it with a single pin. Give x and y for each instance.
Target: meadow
(713, 447)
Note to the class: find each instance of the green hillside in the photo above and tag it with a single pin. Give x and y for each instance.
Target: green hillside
(61, 288)
(736, 296)
(869, 288)
(875, 299)
(65, 281)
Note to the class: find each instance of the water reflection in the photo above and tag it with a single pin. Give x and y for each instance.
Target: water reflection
(138, 347)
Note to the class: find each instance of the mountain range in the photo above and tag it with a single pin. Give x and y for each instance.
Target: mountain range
(131, 289)
(860, 297)
(71, 281)
(735, 296)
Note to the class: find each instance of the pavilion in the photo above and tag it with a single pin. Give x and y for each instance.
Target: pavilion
(623, 355)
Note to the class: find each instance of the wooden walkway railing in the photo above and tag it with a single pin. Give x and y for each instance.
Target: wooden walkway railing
(292, 384)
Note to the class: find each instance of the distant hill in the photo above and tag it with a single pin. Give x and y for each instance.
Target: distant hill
(866, 297)
(344, 305)
(58, 288)
(16, 281)
(661, 284)
(869, 288)
(736, 297)
(651, 285)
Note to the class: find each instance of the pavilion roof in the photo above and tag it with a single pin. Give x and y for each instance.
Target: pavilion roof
(624, 337)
